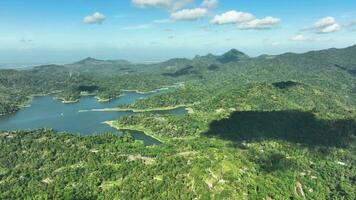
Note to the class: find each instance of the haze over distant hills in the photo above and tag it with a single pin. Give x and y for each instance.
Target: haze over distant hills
(306, 67)
(14, 64)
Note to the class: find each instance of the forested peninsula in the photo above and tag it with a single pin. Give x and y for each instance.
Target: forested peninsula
(266, 127)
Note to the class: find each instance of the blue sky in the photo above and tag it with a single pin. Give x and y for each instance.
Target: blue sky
(38, 31)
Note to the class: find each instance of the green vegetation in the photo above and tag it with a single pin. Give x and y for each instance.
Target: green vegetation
(271, 127)
(17, 87)
(165, 127)
(46, 165)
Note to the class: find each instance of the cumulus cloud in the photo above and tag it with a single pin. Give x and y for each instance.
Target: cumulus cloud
(178, 4)
(167, 4)
(145, 3)
(190, 14)
(96, 18)
(326, 25)
(245, 20)
(264, 23)
(210, 3)
(232, 17)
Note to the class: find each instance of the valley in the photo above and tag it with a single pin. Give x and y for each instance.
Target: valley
(234, 127)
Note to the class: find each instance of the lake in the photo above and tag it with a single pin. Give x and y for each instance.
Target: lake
(47, 112)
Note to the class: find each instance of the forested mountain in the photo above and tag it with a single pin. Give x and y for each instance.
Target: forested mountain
(101, 67)
(267, 127)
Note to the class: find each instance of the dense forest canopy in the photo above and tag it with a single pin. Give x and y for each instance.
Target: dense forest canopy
(267, 127)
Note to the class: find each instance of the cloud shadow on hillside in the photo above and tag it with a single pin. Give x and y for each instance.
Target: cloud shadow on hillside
(292, 126)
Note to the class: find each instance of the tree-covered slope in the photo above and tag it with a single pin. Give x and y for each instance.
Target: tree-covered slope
(270, 127)
(46, 165)
(331, 70)
(312, 72)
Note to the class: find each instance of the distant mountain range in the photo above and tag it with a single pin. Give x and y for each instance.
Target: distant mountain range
(330, 69)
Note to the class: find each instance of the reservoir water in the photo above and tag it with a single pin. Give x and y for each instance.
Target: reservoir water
(47, 112)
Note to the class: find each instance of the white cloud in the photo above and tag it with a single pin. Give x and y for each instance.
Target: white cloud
(326, 25)
(145, 3)
(210, 3)
(96, 18)
(301, 37)
(245, 20)
(331, 29)
(178, 4)
(167, 4)
(264, 23)
(190, 14)
(232, 17)
(325, 22)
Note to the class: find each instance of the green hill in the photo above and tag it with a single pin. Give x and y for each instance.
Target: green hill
(269, 127)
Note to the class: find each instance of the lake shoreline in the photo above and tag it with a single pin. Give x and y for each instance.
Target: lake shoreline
(168, 108)
(51, 113)
(114, 125)
(27, 103)
(102, 100)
